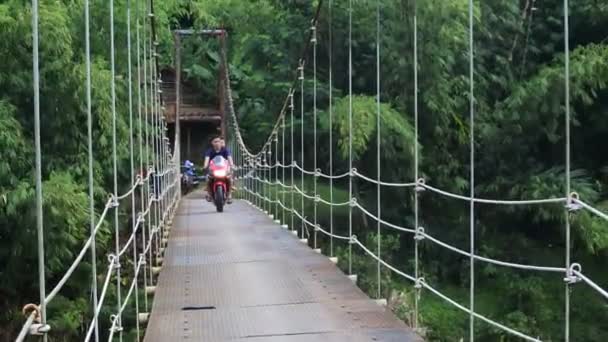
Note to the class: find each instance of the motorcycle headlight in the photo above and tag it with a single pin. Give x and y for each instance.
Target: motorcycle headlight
(219, 173)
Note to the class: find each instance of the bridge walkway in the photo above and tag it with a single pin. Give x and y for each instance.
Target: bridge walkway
(238, 276)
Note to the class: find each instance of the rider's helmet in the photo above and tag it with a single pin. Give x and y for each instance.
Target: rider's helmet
(188, 164)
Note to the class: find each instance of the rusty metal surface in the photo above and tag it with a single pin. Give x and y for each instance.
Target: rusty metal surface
(238, 276)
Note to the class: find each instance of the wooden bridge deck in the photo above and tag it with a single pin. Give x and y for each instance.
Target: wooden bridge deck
(238, 276)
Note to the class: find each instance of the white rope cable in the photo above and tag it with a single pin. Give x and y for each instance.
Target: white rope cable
(133, 286)
(333, 204)
(26, 326)
(354, 240)
(388, 224)
(332, 235)
(302, 193)
(421, 283)
(377, 182)
(90, 242)
(590, 208)
(490, 260)
(493, 201)
(481, 317)
(589, 282)
(140, 220)
(331, 177)
(132, 189)
(102, 296)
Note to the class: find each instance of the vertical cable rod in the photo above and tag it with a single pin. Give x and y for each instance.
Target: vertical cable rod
(472, 177)
(38, 171)
(568, 166)
(90, 159)
(350, 132)
(378, 150)
(416, 170)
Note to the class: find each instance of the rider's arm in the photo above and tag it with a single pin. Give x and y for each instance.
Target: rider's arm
(206, 163)
(231, 161)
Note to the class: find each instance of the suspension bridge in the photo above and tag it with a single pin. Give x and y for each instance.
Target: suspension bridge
(258, 271)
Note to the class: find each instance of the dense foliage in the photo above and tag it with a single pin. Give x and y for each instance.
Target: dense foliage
(519, 138)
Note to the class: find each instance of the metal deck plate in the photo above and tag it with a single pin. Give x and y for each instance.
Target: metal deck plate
(241, 277)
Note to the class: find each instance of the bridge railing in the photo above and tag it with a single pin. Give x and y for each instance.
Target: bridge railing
(267, 179)
(154, 191)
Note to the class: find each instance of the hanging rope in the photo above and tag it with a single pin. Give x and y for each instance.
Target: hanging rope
(314, 120)
(471, 177)
(350, 130)
(302, 174)
(114, 163)
(90, 150)
(568, 166)
(38, 172)
(378, 150)
(331, 129)
(416, 173)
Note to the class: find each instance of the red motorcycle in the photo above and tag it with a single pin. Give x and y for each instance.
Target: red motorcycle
(219, 172)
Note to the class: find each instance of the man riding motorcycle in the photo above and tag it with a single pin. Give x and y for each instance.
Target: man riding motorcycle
(218, 150)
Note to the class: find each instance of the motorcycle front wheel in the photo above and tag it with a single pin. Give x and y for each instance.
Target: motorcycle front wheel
(219, 199)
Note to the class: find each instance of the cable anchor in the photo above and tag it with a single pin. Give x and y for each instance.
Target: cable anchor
(572, 202)
(115, 320)
(420, 182)
(353, 202)
(419, 283)
(420, 235)
(37, 328)
(113, 203)
(571, 277)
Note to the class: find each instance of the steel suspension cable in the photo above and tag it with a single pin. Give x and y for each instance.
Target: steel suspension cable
(472, 177)
(38, 170)
(378, 150)
(293, 160)
(90, 169)
(275, 188)
(140, 140)
(416, 172)
(350, 130)
(314, 120)
(568, 166)
(284, 214)
(114, 158)
(147, 133)
(331, 128)
(302, 174)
